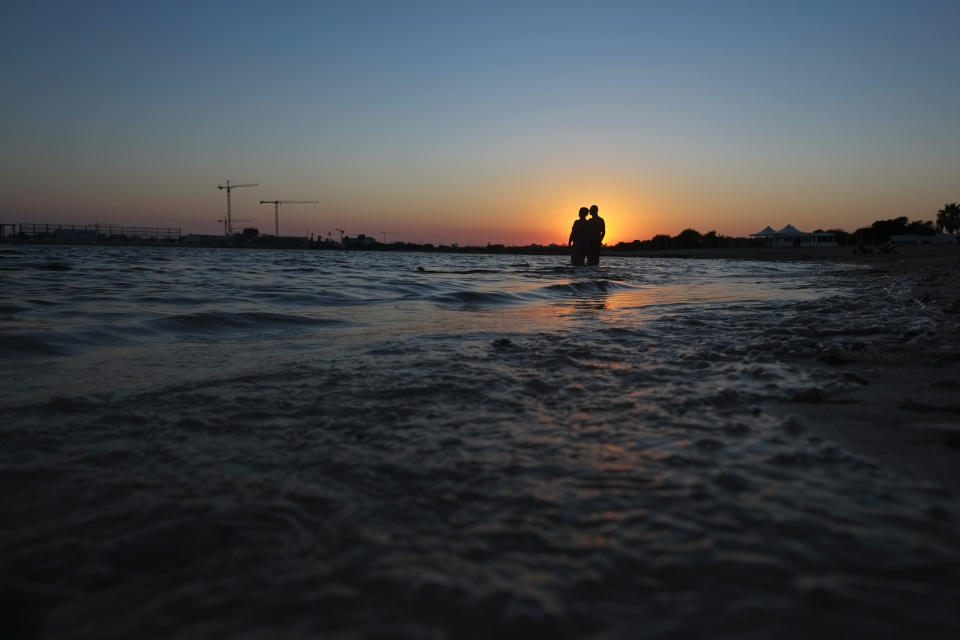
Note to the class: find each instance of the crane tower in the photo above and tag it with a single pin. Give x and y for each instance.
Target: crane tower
(228, 224)
(276, 210)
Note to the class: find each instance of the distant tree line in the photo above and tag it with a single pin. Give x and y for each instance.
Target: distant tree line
(948, 219)
(686, 239)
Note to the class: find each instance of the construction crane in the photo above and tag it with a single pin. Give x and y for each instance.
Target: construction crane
(276, 210)
(228, 225)
(224, 221)
(341, 234)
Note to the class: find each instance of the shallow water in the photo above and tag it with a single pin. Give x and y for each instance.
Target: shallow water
(217, 442)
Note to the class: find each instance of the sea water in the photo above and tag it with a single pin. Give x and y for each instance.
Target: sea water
(216, 442)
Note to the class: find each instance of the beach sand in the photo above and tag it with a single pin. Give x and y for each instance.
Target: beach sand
(906, 415)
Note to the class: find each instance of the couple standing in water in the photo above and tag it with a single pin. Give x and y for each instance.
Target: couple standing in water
(587, 236)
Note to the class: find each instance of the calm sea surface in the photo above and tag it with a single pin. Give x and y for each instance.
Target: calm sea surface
(206, 442)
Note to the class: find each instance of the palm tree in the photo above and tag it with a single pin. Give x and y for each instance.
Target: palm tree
(948, 218)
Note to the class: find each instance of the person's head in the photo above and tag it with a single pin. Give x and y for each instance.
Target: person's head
(583, 212)
(594, 210)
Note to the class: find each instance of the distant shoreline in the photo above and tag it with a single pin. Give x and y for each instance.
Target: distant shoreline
(841, 254)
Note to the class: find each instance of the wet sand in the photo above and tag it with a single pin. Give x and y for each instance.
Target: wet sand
(914, 255)
(224, 443)
(906, 414)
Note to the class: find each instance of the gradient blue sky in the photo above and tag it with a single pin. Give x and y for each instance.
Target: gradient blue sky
(476, 122)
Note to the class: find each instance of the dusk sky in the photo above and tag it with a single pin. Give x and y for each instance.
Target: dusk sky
(484, 121)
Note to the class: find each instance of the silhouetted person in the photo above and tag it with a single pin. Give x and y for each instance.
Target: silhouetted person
(597, 228)
(579, 239)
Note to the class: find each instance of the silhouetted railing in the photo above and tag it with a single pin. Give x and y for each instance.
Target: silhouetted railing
(35, 230)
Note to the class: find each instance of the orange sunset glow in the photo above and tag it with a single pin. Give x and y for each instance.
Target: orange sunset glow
(479, 140)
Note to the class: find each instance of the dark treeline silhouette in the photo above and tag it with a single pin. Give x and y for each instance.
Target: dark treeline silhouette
(880, 232)
(686, 239)
(948, 218)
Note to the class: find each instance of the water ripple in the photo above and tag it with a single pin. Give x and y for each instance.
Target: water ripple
(214, 442)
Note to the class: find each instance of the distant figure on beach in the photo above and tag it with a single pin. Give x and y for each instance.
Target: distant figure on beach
(597, 229)
(579, 239)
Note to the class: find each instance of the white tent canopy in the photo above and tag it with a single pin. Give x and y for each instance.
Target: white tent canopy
(790, 236)
(767, 231)
(790, 230)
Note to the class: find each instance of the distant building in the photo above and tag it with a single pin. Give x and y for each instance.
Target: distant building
(362, 241)
(790, 236)
(291, 242)
(76, 236)
(202, 239)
